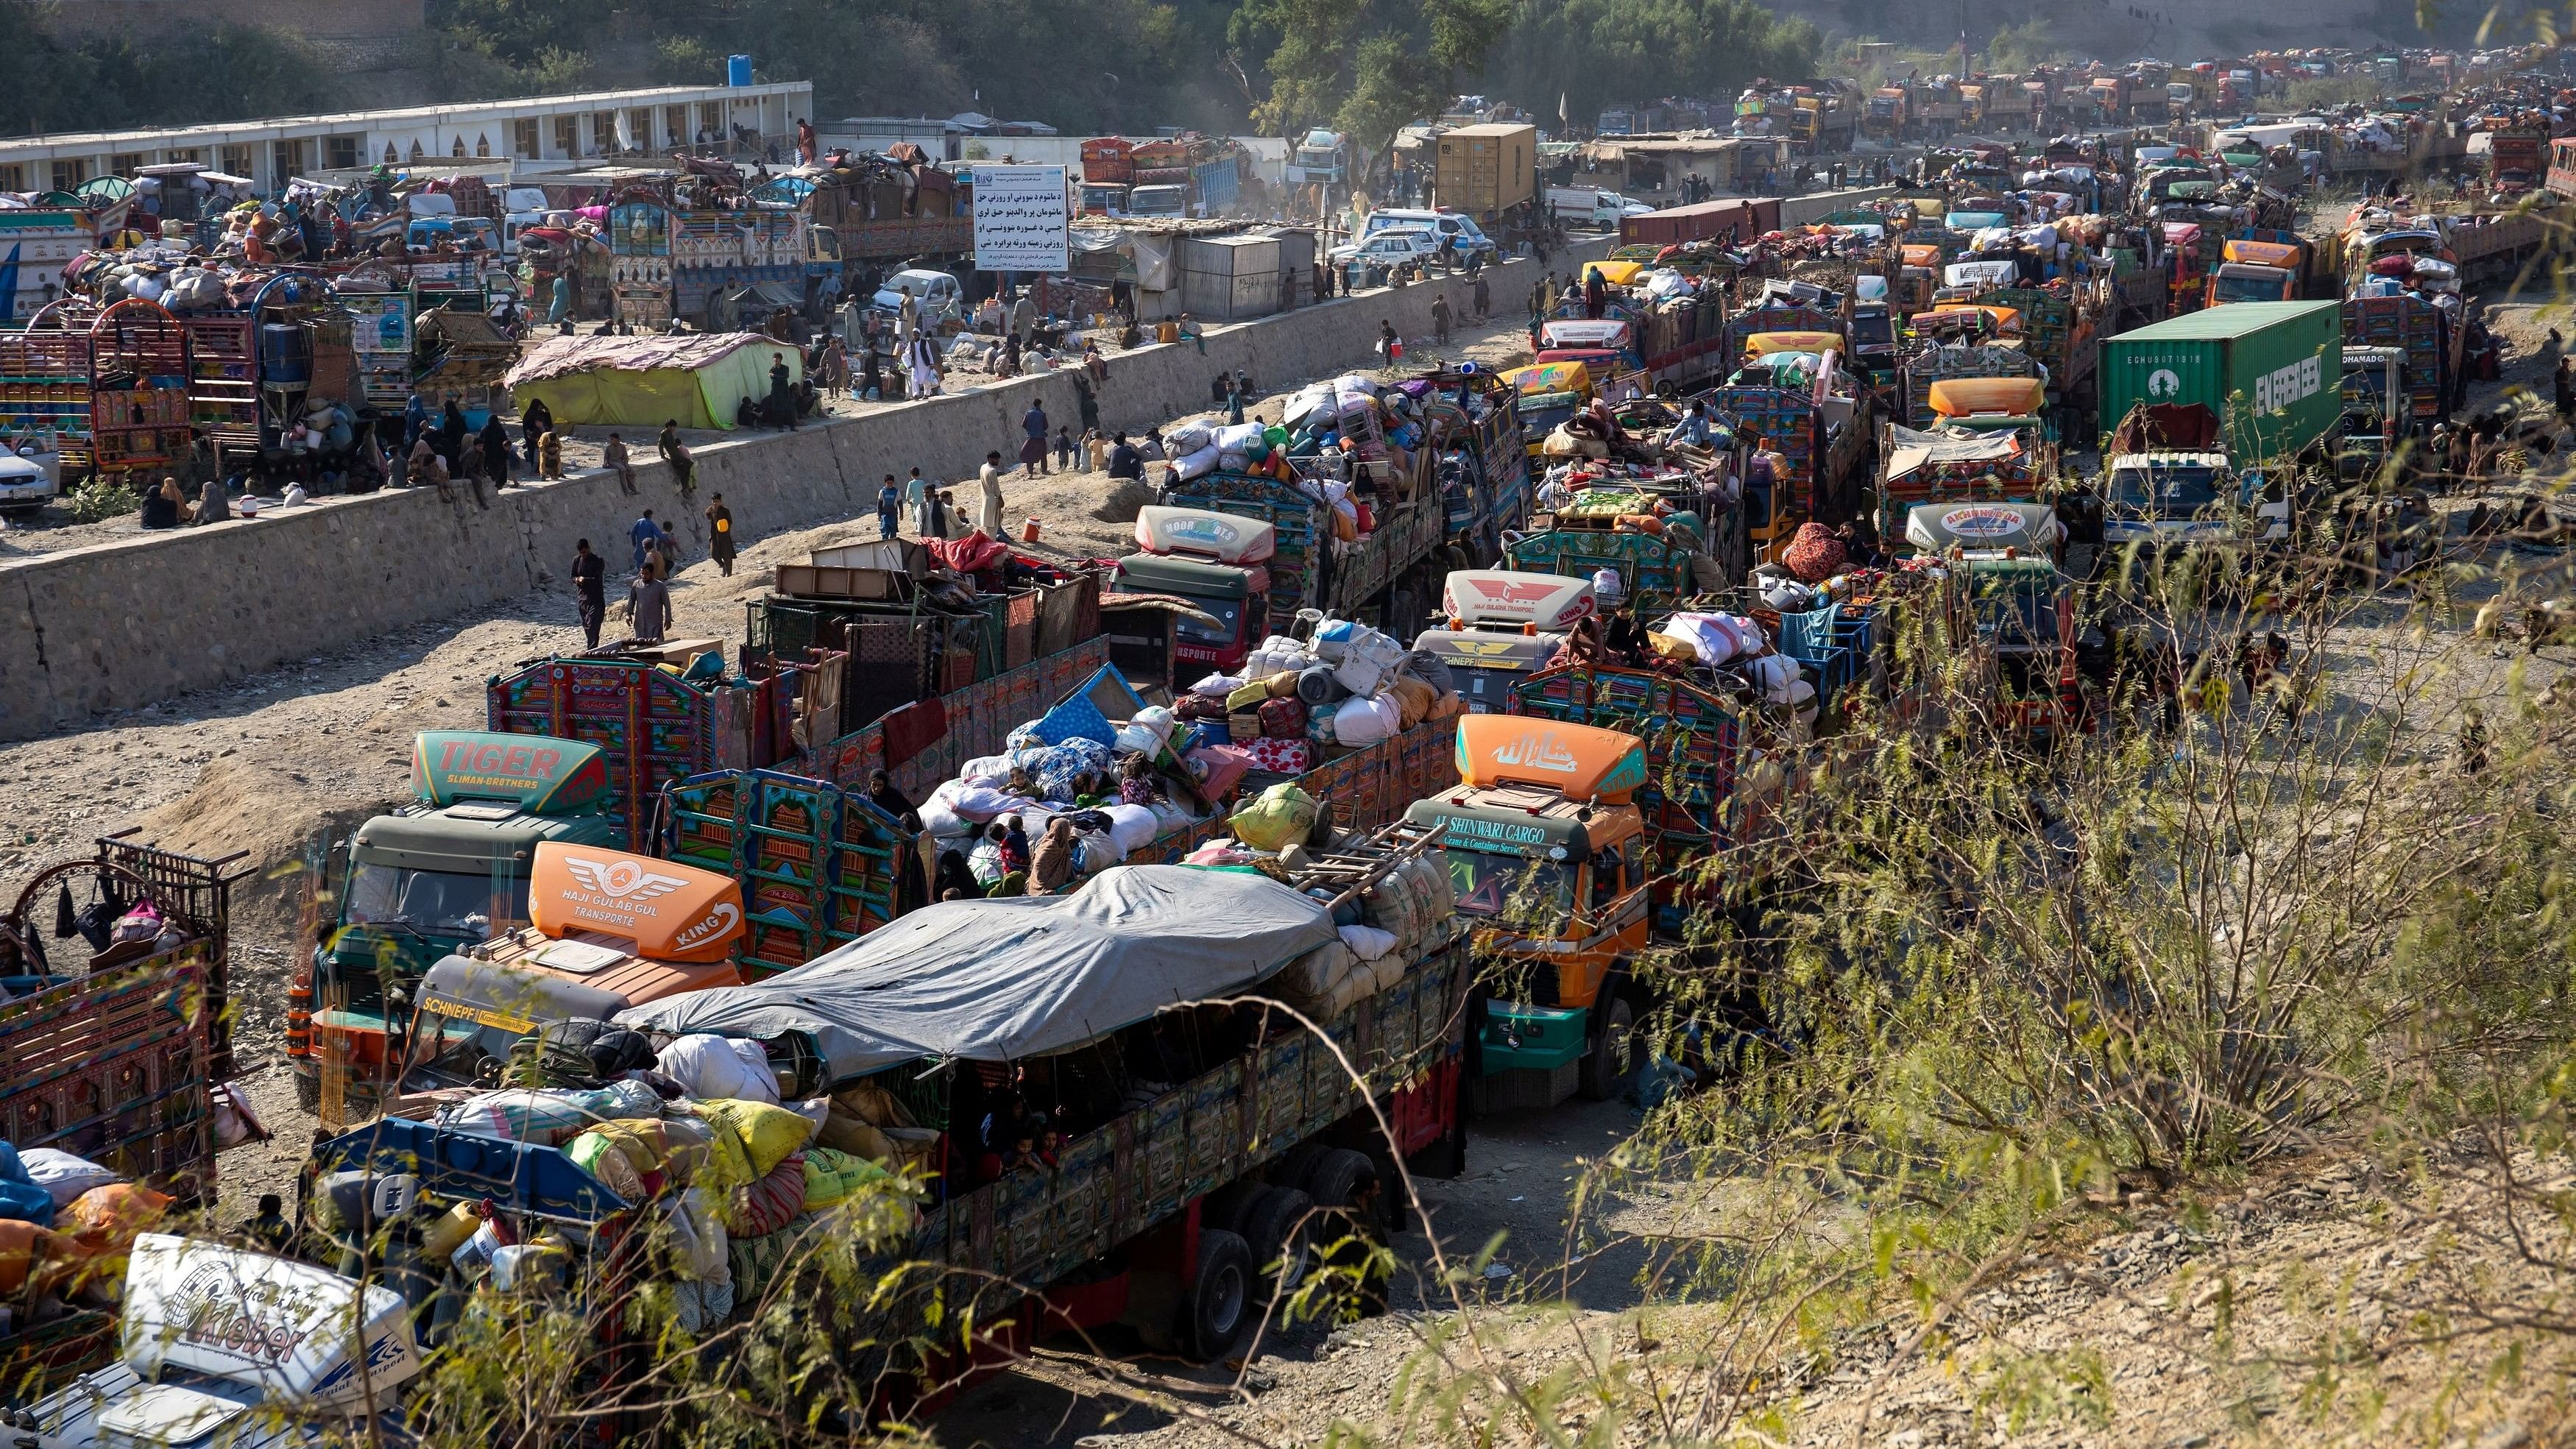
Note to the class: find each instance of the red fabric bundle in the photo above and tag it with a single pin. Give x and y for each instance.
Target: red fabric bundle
(771, 1203)
(1815, 555)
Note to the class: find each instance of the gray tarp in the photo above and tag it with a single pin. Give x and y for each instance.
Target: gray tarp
(998, 980)
(1912, 448)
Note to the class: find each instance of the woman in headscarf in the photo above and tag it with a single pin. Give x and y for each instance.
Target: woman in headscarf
(955, 882)
(1051, 866)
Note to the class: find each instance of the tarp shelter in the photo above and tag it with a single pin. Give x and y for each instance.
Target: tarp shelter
(1909, 449)
(638, 382)
(1018, 976)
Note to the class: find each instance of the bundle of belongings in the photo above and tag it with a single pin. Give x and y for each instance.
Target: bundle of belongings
(1333, 683)
(1629, 500)
(66, 1227)
(694, 1134)
(1739, 657)
(1072, 793)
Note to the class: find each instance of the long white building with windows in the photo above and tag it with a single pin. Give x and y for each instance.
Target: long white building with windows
(538, 133)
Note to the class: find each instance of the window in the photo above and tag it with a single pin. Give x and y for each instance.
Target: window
(568, 135)
(68, 175)
(343, 152)
(186, 155)
(287, 160)
(524, 138)
(125, 163)
(457, 148)
(639, 128)
(675, 126)
(13, 176)
(711, 120)
(235, 160)
(603, 133)
(482, 144)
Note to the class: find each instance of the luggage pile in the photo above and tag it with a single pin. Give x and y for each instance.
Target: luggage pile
(1340, 684)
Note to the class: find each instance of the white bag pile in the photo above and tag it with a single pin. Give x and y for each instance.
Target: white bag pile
(1404, 916)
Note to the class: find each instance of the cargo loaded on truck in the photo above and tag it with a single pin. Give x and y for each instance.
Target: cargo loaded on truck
(1105, 1114)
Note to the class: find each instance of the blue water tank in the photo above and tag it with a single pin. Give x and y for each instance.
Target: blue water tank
(285, 353)
(737, 70)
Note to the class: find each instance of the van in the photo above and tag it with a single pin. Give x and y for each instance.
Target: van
(1441, 224)
(1585, 205)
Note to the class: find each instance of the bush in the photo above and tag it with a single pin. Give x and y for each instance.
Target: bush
(101, 498)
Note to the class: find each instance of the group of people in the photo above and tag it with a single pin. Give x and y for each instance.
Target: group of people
(656, 559)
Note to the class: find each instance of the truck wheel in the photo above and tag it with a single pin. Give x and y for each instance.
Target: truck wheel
(1218, 1297)
(1275, 1225)
(1612, 1059)
(1344, 1184)
(1225, 1207)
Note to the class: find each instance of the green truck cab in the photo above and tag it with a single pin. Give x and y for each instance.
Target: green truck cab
(433, 879)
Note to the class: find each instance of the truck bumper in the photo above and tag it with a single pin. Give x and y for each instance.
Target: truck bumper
(1533, 1038)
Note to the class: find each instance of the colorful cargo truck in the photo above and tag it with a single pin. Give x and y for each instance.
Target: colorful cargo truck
(431, 879)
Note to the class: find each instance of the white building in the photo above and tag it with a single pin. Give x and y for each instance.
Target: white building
(540, 133)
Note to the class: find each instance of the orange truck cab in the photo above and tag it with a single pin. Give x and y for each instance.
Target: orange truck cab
(2257, 271)
(1503, 624)
(1546, 850)
(611, 931)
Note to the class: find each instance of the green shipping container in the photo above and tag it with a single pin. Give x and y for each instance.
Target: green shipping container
(2272, 371)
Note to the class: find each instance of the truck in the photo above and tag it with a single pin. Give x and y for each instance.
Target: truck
(431, 879)
(2517, 160)
(2012, 622)
(2270, 371)
(2254, 269)
(1176, 1198)
(1486, 170)
(2378, 409)
(115, 1048)
(1569, 857)
(219, 1344)
(1730, 222)
(1500, 624)
(1886, 115)
(885, 213)
(2428, 338)
(1322, 158)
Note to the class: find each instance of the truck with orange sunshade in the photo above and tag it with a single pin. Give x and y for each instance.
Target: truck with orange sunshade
(434, 878)
(608, 931)
(1565, 853)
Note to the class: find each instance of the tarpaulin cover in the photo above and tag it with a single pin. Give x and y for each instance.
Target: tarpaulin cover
(1909, 449)
(641, 381)
(1018, 976)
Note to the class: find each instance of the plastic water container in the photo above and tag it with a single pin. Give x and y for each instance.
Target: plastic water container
(285, 353)
(737, 70)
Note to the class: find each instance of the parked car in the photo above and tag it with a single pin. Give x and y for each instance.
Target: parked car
(938, 292)
(29, 479)
(1390, 249)
(1440, 223)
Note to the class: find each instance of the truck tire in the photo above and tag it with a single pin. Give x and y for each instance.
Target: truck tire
(1225, 1207)
(1220, 1296)
(1341, 1183)
(1612, 1057)
(1276, 1225)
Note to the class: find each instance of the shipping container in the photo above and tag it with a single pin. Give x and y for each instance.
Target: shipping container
(1485, 170)
(1740, 220)
(2272, 371)
(1237, 278)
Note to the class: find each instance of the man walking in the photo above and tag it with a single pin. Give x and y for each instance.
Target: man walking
(889, 497)
(589, 591)
(990, 478)
(720, 535)
(649, 600)
(1484, 298)
(1033, 442)
(916, 497)
(646, 535)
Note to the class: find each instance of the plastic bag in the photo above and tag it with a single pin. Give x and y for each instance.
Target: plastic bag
(715, 1067)
(1281, 814)
(1363, 721)
(63, 1176)
(763, 1133)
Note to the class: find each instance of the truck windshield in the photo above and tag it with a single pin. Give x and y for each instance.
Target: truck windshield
(2165, 492)
(448, 903)
(2018, 614)
(1229, 617)
(1514, 885)
(2245, 287)
(1871, 328)
(450, 1051)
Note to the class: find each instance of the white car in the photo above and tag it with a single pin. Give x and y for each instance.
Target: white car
(30, 482)
(1391, 248)
(936, 292)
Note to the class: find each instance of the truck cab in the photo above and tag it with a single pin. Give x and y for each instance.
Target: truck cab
(2377, 392)
(438, 876)
(1547, 855)
(1217, 561)
(2256, 271)
(1607, 347)
(2190, 498)
(2025, 635)
(611, 931)
(1502, 624)
(1873, 342)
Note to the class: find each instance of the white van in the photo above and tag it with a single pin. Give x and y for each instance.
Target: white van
(1440, 224)
(1590, 206)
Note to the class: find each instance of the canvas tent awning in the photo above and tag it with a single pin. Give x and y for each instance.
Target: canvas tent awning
(639, 381)
(1018, 976)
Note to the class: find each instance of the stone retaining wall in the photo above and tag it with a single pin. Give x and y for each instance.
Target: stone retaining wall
(119, 625)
